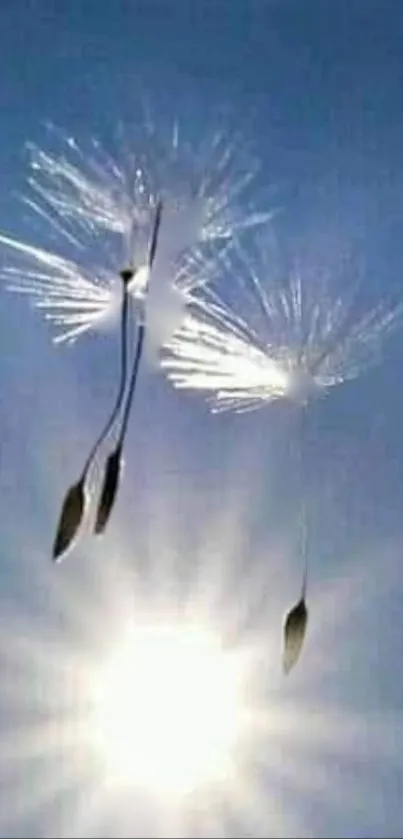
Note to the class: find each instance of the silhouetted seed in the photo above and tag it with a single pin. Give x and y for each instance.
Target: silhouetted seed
(109, 489)
(155, 234)
(70, 519)
(294, 634)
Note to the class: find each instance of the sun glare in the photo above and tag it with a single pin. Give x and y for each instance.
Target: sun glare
(167, 710)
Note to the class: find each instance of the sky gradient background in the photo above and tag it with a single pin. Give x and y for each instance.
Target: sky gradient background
(317, 86)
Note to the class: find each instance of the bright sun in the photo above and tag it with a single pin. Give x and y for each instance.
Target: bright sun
(167, 710)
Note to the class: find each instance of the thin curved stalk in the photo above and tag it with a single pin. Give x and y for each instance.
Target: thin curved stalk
(154, 236)
(123, 374)
(304, 550)
(132, 384)
(141, 333)
(114, 462)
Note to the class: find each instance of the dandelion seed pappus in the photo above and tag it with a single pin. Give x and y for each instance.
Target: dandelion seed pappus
(250, 338)
(95, 208)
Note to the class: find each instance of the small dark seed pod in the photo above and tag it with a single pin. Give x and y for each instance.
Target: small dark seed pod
(294, 633)
(70, 519)
(109, 490)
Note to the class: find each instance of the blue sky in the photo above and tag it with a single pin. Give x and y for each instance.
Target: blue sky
(317, 87)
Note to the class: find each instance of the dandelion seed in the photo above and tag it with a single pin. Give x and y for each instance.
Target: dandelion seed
(98, 207)
(109, 489)
(297, 618)
(294, 634)
(249, 340)
(71, 517)
(74, 505)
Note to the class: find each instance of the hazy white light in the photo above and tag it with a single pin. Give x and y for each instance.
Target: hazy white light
(301, 385)
(139, 284)
(167, 710)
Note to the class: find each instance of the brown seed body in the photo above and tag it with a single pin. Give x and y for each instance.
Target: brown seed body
(70, 520)
(109, 490)
(294, 633)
